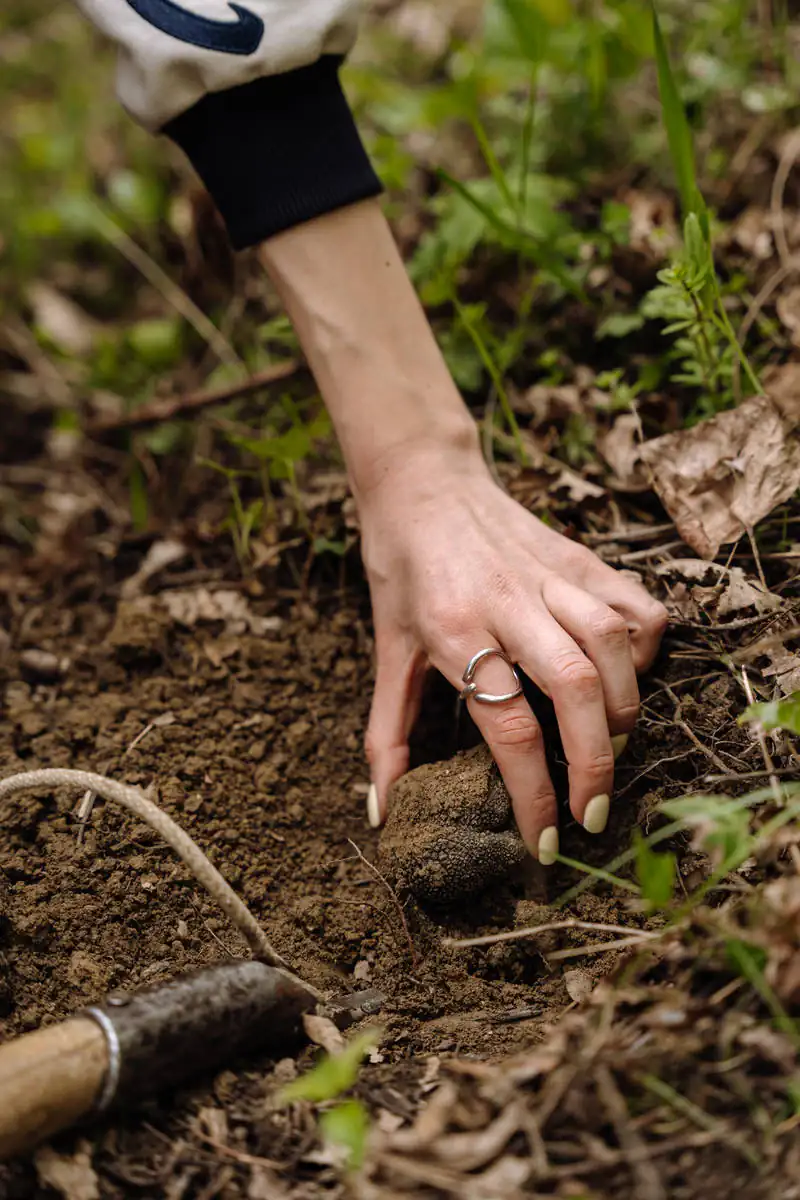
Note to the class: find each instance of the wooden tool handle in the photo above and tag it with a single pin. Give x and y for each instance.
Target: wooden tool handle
(49, 1080)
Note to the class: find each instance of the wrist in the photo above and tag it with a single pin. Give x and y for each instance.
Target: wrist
(416, 463)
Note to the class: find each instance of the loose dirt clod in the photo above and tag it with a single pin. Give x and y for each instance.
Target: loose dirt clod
(450, 831)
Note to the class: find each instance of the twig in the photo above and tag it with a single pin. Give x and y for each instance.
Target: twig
(789, 263)
(690, 733)
(726, 626)
(745, 775)
(754, 547)
(641, 939)
(762, 741)
(135, 801)
(385, 883)
(635, 533)
(646, 1178)
(512, 935)
(750, 317)
(771, 642)
(165, 410)
(791, 150)
(643, 554)
(174, 295)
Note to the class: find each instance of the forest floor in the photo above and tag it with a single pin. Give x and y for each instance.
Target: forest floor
(172, 627)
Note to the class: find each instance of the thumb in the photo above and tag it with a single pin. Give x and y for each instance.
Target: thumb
(399, 678)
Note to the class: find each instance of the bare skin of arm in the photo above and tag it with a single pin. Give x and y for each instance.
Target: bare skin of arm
(454, 564)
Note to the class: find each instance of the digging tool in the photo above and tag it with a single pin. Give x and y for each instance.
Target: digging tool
(137, 1044)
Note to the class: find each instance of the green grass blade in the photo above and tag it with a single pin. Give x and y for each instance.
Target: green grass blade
(519, 240)
(679, 135)
(597, 873)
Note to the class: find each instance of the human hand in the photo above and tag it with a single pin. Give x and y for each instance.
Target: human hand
(455, 566)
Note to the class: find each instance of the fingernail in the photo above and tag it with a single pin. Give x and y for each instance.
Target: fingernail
(373, 808)
(619, 743)
(595, 818)
(548, 846)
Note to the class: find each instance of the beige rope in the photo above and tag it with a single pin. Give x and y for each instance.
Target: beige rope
(135, 801)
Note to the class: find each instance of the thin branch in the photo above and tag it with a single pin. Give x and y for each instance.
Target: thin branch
(719, 763)
(634, 533)
(762, 741)
(173, 294)
(178, 406)
(601, 947)
(135, 801)
(512, 935)
(385, 883)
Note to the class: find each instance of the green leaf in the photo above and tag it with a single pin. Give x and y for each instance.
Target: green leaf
(138, 498)
(347, 1125)
(696, 245)
(655, 872)
(138, 198)
(334, 1074)
(529, 26)
(619, 325)
(778, 714)
(679, 135)
(158, 341)
(723, 824)
(324, 545)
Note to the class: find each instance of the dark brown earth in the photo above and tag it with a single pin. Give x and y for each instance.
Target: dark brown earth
(254, 745)
(249, 727)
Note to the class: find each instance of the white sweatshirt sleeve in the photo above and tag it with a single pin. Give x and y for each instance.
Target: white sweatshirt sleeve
(250, 90)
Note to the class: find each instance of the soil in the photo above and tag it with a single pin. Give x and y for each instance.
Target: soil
(252, 742)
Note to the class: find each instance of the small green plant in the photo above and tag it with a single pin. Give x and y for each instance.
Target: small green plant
(690, 294)
(656, 874)
(243, 519)
(776, 714)
(347, 1123)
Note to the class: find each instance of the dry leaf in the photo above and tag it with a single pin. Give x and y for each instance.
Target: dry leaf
(723, 476)
(715, 589)
(653, 229)
(576, 486)
(784, 668)
(322, 1032)
(740, 593)
(193, 606)
(579, 984)
(160, 555)
(752, 233)
(620, 447)
(65, 324)
(71, 1175)
(213, 1123)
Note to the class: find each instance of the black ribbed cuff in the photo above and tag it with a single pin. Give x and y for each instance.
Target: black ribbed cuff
(278, 151)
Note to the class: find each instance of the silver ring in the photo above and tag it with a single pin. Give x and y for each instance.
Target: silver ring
(470, 692)
(111, 1079)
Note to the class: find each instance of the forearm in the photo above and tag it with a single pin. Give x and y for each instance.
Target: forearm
(368, 342)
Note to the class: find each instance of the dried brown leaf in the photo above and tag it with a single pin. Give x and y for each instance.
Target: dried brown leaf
(720, 478)
(71, 1175)
(322, 1032)
(579, 984)
(784, 668)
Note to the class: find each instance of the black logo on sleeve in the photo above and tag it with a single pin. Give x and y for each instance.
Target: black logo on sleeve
(242, 36)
